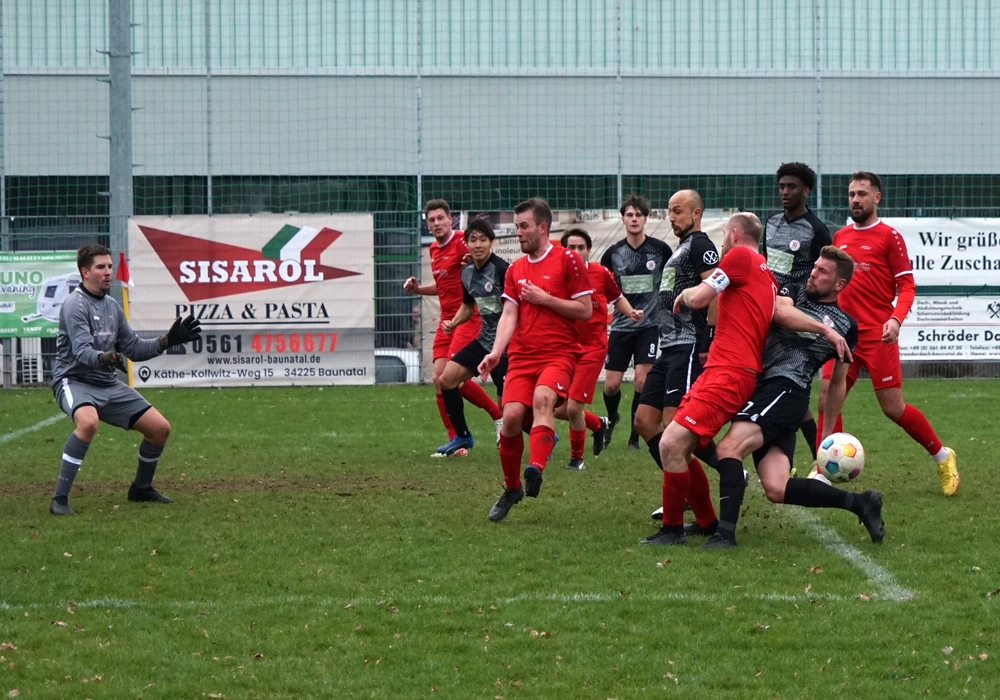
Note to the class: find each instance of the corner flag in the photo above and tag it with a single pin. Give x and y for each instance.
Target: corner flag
(124, 276)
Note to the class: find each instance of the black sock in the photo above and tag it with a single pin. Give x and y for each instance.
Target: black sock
(455, 406)
(813, 493)
(732, 484)
(654, 449)
(149, 457)
(633, 435)
(707, 455)
(611, 402)
(74, 451)
(808, 429)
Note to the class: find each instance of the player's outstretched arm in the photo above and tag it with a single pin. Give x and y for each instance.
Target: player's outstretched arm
(505, 331)
(183, 331)
(835, 394)
(787, 316)
(464, 314)
(412, 286)
(625, 309)
(128, 344)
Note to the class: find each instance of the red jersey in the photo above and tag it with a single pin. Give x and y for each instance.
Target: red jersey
(446, 266)
(881, 268)
(594, 331)
(541, 332)
(747, 290)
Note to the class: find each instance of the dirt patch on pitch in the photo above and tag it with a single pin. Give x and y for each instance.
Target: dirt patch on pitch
(343, 485)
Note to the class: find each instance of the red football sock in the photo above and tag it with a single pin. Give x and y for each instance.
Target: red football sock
(838, 427)
(474, 394)
(592, 421)
(917, 427)
(699, 495)
(511, 450)
(675, 490)
(444, 417)
(577, 441)
(540, 445)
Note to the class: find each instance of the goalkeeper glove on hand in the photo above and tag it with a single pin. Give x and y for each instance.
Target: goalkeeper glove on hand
(182, 331)
(113, 360)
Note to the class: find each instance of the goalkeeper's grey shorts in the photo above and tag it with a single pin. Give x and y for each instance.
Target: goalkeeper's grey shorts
(118, 405)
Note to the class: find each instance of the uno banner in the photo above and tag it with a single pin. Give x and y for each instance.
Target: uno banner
(282, 299)
(33, 287)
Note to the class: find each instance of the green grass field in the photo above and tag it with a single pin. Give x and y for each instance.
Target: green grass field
(316, 551)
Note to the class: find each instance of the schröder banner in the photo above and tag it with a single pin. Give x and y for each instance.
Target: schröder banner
(954, 252)
(33, 287)
(282, 299)
(951, 328)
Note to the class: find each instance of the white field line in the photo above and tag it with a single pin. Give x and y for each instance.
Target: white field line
(887, 583)
(7, 437)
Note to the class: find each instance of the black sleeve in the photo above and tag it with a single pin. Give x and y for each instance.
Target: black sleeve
(606, 261)
(466, 297)
(789, 290)
(704, 255)
(852, 335)
(501, 266)
(821, 236)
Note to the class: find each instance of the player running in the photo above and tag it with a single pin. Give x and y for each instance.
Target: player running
(448, 253)
(882, 273)
(637, 262)
(94, 340)
(682, 338)
(546, 292)
(594, 340)
(482, 290)
(766, 426)
(746, 291)
(792, 243)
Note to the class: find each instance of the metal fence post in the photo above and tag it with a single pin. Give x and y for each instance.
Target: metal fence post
(819, 107)
(120, 110)
(7, 368)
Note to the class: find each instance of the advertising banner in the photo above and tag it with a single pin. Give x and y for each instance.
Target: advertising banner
(951, 328)
(955, 252)
(282, 299)
(33, 287)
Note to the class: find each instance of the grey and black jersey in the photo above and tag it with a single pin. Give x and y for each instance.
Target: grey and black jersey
(798, 356)
(88, 326)
(791, 247)
(638, 272)
(483, 287)
(694, 255)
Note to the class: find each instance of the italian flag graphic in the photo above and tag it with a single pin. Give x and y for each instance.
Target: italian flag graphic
(294, 243)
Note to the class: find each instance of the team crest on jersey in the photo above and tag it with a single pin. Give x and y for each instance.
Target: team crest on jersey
(488, 286)
(827, 321)
(650, 265)
(794, 245)
(710, 257)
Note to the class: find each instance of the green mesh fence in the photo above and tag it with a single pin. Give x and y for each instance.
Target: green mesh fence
(378, 105)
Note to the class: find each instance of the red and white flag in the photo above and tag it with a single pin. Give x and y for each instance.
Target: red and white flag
(124, 276)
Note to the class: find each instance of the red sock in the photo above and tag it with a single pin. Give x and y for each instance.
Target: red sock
(699, 495)
(540, 445)
(917, 427)
(592, 421)
(444, 417)
(675, 490)
(511, 450)
(838, 427)
(474, 394)
(577, 441)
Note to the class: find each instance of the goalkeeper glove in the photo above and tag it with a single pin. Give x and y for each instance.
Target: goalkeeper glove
(113, 360)
(181, 332)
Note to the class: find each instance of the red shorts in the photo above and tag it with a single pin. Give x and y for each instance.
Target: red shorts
(586, 372)
(880, 359)
(524, 374)
(715, 397)
(447, 344)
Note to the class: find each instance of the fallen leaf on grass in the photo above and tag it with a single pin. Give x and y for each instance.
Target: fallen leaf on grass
(13, 693)
(947, 650)
(864, 596)
(814, 569)
(217, 696)
(59, 623)
(67, 554)
(7, 646)
(258, 655)
(983, 657)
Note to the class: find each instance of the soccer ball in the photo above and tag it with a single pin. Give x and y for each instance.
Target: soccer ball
(840, 457)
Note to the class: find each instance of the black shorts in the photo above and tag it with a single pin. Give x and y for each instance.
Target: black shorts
(623, 346)
(778, 407)
(471, 355)
(670, 377)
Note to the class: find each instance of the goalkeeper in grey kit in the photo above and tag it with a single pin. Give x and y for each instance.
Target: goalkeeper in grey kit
(94, 340)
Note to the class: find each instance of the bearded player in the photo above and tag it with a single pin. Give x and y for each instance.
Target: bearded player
(448, 253)
(545, 294)
(882, 273)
